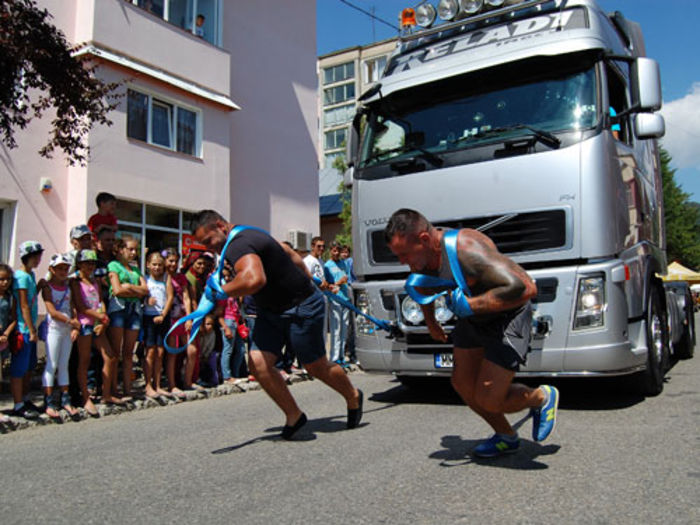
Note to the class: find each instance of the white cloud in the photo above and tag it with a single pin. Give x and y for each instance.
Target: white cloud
(682, 139)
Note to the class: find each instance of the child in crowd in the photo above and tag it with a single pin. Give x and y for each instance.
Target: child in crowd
(156, 322)
(182, 306)
(104, 218)
(23, 358)
(209, 348)
(63, 329)
(8, 317)
(127, 288)
(234, 332)
(87, 295)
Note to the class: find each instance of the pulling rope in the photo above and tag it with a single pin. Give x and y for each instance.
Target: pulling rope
(213, 292)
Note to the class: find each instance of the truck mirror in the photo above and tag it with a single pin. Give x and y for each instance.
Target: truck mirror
(646, 85)
(649, 126)
(353, 140)
(348, 177)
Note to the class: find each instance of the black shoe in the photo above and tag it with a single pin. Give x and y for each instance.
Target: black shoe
(26, 413)
(32, 406)
(355, 414)
(289, 431)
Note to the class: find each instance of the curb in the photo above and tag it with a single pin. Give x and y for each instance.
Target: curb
(18, 423)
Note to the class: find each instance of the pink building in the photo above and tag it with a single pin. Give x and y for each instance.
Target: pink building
(217, 114)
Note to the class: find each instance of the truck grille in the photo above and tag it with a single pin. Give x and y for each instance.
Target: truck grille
(525, 232)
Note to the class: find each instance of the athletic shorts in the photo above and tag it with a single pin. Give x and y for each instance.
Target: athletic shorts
(25, 359)
(300, 328)
(505, 339)
(154, 334)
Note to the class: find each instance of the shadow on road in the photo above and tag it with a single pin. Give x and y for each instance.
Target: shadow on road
(456, 452)
(576, 394)
(306, 433)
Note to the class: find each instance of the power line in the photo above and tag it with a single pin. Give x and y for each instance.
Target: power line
(371, 15)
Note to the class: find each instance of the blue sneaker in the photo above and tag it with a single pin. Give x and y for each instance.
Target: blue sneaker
(497, 445)
(544, 418)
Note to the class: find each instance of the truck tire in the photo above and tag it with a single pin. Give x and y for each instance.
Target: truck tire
(651, 380)
(686, 346)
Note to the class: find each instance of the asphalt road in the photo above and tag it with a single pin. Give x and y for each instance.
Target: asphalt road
(614, 458)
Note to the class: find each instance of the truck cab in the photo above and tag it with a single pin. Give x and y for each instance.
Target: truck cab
(534, 122)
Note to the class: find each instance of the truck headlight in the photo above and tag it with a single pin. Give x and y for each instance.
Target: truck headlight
(411, 312)
(442, 313)
(447, 9)
(471, 7)
(425, 15)
(590, 303)
(364, 326)
(494, 3)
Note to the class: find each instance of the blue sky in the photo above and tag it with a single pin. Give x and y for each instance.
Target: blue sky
(671, 31)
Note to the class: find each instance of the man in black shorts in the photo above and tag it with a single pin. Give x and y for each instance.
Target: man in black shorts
(290, 311)
(492, 338)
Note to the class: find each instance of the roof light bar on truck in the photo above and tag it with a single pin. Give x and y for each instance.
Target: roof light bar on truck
(455, 15)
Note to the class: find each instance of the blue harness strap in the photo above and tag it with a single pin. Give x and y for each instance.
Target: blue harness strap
(456, 299)
(380, 323)
(213, 292)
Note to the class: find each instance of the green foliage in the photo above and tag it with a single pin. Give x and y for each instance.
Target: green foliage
(38, 73)
(682, 219)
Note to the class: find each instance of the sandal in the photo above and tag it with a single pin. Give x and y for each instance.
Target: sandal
(68, 407)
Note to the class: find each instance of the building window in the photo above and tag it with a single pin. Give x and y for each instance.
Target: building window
(7, 213)
(162, 122)
(339, 73)
(330, 158)
(338, 94)
(373, 68)
(199, 17)
(338, 116)
(335, 139)
(155, 227)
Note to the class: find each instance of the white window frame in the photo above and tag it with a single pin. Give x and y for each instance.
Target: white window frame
(7, 228)
(143, 226)
(173, 124)
(344, 65)
(374, 64)
(219, 18)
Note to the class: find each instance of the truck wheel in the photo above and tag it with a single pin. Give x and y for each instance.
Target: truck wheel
(651, 381)
(686, 346)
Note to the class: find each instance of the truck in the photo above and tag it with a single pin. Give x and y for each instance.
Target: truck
(534, 121)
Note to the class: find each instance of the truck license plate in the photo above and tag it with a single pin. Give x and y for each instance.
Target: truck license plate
(444, 361)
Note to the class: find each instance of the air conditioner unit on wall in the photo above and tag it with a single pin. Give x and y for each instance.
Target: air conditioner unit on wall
(300, 240)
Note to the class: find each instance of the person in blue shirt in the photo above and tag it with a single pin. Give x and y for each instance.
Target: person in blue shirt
(336, 274)
(24, 359)
(345, 255)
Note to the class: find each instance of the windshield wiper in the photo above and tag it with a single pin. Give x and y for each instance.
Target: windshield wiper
(545, 137)
(423, 153)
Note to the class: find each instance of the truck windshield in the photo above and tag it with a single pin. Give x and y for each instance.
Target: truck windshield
(471, 111)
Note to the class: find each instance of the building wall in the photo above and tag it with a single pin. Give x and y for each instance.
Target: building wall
(273, 78)
(258, 165)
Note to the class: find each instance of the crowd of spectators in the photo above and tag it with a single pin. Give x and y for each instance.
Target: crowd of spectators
(103, 313)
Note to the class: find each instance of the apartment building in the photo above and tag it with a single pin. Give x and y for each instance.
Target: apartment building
(217, 110)
(342, 77)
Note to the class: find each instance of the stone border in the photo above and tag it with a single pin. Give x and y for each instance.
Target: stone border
(18, 423)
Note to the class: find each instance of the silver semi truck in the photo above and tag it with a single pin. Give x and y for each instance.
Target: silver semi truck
(534, 122)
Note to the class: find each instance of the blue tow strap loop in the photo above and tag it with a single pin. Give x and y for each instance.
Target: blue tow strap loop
(380, 323)
(213, 292)
(456, 297)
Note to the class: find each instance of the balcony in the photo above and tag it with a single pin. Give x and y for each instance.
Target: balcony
(127, 31)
